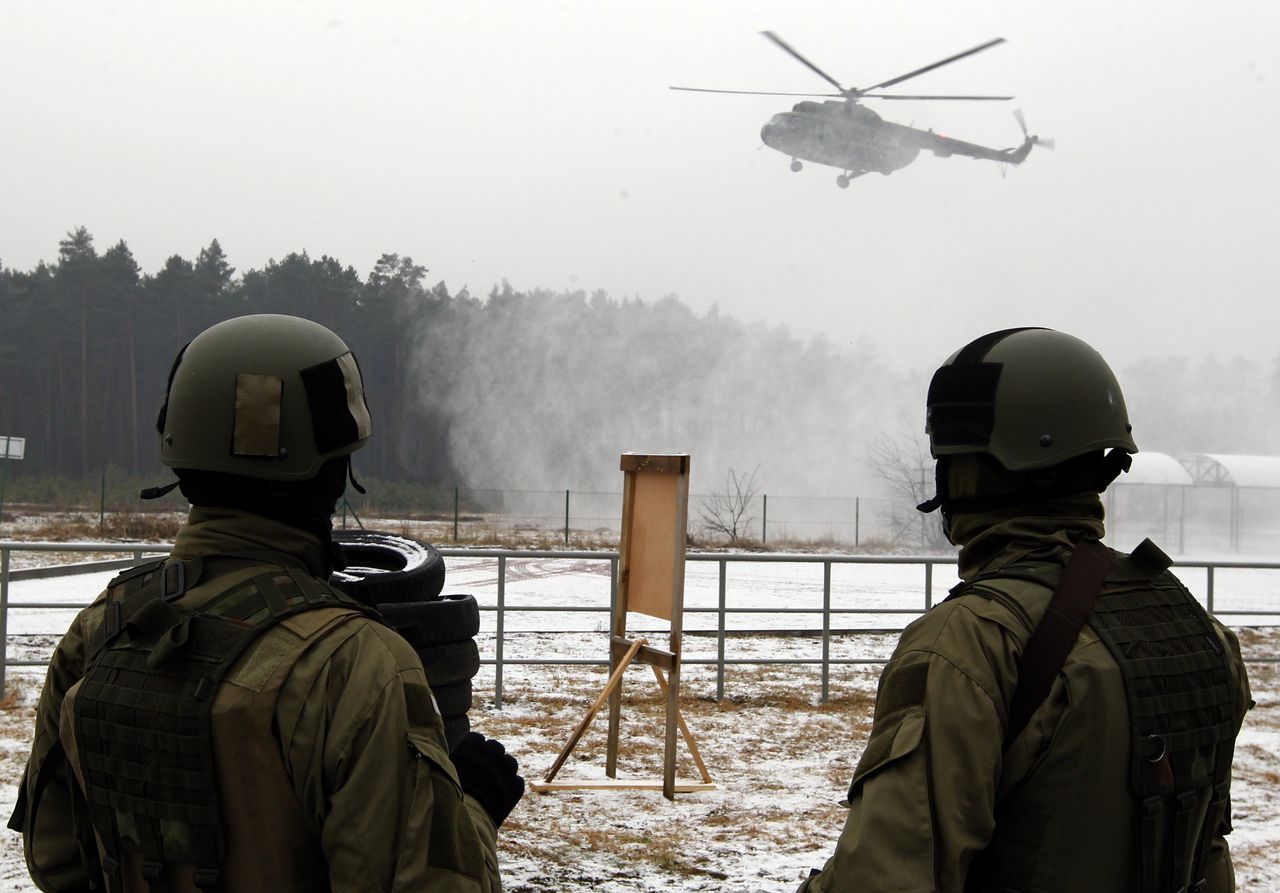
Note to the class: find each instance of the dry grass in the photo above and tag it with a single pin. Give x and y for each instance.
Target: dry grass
(781, 761)
(70, 527)
(474, 531)
(1263, 677)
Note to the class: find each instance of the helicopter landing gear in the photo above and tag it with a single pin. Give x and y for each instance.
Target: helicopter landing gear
(796, 165)
(843, 180)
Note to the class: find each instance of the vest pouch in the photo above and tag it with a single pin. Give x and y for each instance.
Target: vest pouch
(893, 764)
(438, 801)
(890, 742)
(423, 748)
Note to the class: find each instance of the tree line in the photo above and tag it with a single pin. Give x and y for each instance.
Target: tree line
(518, 389)
(513, 389)
(86, 343)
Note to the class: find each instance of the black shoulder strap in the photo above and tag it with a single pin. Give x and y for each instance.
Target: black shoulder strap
(1049, 645)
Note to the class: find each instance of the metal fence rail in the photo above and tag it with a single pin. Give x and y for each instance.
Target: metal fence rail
(722, 611)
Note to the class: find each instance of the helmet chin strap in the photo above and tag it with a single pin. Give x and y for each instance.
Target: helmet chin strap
(939, 500)
(157, 492)
(351, 476)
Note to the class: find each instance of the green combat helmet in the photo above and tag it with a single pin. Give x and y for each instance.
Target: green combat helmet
(1032, 399)
(264, 396)
(1029, 397)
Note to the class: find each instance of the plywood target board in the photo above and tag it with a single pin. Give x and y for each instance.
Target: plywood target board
(655, 516)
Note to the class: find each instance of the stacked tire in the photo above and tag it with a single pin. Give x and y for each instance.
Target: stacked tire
(403, 579)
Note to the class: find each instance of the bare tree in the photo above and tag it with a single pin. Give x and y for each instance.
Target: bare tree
(732, 510)
(900, 457)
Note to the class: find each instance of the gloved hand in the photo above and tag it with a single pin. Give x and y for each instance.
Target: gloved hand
(489, 774)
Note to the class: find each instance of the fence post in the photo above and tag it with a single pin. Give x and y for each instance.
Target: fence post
(455, 514)
(102, 502)
(497, 648)
(720, 625)
(613, 590)
(1182, 518)
(566, 517)
(826, 631)
(857, 512)
(4, 618)
(1208, 598)
(928, 585)
(764, 520)
(347, 506)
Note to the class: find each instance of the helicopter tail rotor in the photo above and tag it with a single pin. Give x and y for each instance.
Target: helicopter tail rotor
(1044, 142)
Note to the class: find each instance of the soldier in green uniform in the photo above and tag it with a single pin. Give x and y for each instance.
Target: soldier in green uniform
(226, 720)
(1016, 747)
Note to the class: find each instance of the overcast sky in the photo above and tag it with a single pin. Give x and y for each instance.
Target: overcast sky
(537, 142)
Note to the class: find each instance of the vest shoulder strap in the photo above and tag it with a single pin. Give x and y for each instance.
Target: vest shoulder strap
(1056, 634)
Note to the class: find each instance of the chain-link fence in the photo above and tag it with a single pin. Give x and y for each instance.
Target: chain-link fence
(1183, 520)
(587, 516)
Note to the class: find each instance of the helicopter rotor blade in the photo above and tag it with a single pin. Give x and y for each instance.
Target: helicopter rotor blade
(944, 98)
(1046, 142)
(945, 61)
(752, 92)
(1022, 121)
(815, 69)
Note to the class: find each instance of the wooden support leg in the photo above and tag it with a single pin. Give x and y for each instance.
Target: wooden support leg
(669, 752)
(615, 726)
(684, 730)
(609, 687)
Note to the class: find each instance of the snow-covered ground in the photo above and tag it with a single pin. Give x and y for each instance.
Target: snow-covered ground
(781, 759)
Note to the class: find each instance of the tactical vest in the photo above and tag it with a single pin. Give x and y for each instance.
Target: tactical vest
(1183, 705)
(143, 725)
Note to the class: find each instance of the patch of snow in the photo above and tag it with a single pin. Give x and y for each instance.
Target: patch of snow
(781, 759)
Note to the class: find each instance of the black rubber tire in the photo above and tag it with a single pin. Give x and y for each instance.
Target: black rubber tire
(453, 699)
(450, 618)
(454, 728)
(454, 662)
(384, 567)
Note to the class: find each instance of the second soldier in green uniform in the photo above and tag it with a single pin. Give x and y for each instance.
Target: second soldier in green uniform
(225, 719)
(1083, 748)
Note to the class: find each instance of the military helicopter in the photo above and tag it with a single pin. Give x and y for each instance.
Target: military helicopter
(847, 135)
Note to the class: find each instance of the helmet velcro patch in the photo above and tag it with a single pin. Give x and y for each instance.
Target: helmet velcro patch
(962, 404)
(256, 430)
(335, 396)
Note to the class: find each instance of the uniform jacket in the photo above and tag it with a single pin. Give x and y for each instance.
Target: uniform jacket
(936, 786)
(328, 779)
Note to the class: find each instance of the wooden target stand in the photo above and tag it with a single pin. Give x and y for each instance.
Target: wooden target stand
(655, 514)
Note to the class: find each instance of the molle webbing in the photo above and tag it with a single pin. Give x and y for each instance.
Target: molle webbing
(144, 710)
(1182, 705)
(1182, 714)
